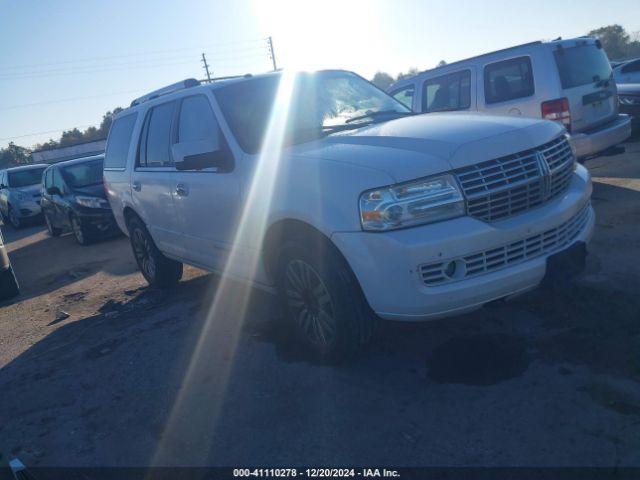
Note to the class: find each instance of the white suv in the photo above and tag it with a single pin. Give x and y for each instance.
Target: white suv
(326, 188)
(569, 81)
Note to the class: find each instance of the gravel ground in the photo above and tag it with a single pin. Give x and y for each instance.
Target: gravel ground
(98, 370)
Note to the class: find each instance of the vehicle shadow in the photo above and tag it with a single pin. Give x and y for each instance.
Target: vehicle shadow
(50, 263)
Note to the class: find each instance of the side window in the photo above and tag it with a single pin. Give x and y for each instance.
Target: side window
(508, 80)
(447, 93)
(405, 95)
(57, 180)
(47, 179)
(118, 142)
(631, 67)
(156, 136)
(196, 121)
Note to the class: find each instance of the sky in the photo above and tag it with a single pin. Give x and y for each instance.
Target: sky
(64, 63)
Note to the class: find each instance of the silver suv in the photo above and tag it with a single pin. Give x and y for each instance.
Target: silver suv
(20, 193)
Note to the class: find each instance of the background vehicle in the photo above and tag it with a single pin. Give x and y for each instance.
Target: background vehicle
(355, 206)
(8, 282)
(20, 193)
(627, 72)
(73, 198)
(629, 99)
(568, 81)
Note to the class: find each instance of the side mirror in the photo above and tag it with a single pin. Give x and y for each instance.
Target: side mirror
(200, 155)
(54, 191)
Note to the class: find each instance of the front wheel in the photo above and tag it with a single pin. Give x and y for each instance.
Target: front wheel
(14, 219)
(158, 270)
(322, 300)
(80, 231)
(53, 231)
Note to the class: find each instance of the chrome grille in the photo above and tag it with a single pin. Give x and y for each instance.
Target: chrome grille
(506, 186)
(486, 261)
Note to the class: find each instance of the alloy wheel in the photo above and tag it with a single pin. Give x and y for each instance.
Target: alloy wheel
(310, 303)
(143, 251)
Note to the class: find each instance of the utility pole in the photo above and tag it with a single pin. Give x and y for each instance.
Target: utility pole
(272, 54)
(206, 66)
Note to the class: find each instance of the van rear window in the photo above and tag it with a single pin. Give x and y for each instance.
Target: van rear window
(582, 65)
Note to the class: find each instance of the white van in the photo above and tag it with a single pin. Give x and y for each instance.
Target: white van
(353, 206)
(569, 81)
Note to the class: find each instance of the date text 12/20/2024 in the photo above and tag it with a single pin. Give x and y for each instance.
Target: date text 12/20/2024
(315, 472)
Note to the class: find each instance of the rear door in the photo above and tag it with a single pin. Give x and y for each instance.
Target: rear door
(587, 83)
(153, 178)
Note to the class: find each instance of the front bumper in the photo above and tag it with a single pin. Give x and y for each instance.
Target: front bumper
(606, 136)
(388, 265)
(98, 221)
(28, 209)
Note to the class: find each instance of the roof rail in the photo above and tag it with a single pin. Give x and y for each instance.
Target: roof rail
(174, 87)
(211, 80)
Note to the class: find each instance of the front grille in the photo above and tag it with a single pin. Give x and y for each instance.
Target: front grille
(506, 186)
(510, 254)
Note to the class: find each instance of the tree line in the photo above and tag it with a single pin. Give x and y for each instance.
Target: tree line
(617, 42)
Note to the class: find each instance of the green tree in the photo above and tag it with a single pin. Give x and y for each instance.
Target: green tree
(382, 80)
(14, 155)
(617, 42)
(410, 73)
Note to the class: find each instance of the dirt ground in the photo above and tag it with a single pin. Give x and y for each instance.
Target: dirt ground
(98, 370)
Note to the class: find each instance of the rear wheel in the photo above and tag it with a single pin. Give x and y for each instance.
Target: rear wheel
(53, 231)
(158, 270)
(322, 300)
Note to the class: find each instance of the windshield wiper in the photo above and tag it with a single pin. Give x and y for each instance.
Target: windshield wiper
(378, 113)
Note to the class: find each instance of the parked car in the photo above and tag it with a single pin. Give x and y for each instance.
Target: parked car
(364, 208)
(627, 72)
(73, 198)
(629, 99)
(8, 282)
(568, 81)
(20, 194)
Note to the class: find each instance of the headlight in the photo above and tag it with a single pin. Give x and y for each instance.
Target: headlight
(629, 100)
(92, 202)
(421, 201)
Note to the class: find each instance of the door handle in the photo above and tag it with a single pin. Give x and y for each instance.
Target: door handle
(137, 186)
(182, 190)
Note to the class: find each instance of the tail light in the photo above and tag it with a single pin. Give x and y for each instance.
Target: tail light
(558, 111)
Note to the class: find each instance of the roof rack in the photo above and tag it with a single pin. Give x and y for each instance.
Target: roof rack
(229, 77)
(174, 87)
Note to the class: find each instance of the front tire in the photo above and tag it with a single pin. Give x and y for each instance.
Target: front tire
(322, 300)
(158, 270)
(53, 231)
(14, 219)
(80, 232)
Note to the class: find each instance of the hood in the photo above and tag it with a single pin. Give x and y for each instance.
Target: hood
(96, 190)
(30, 189)
(427, 144)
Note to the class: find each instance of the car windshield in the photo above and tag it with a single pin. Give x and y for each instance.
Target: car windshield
(80, 175)
(320, 103)
(582, 65)
(24, 178)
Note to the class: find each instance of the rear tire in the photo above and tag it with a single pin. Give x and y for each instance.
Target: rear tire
(8, 284)
(158, 270)
(53, 231)
(322, 300)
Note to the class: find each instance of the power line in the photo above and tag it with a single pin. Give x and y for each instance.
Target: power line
(72, 99)
(45, 132)
(147, 53)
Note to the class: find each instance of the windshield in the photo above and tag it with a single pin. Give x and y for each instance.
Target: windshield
(24, 178)
(83, 174)
(582, 65)
(321, 102)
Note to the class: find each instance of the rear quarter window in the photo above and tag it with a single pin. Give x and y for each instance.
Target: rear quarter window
(447, 93)
(508, 80)
(119, 140)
